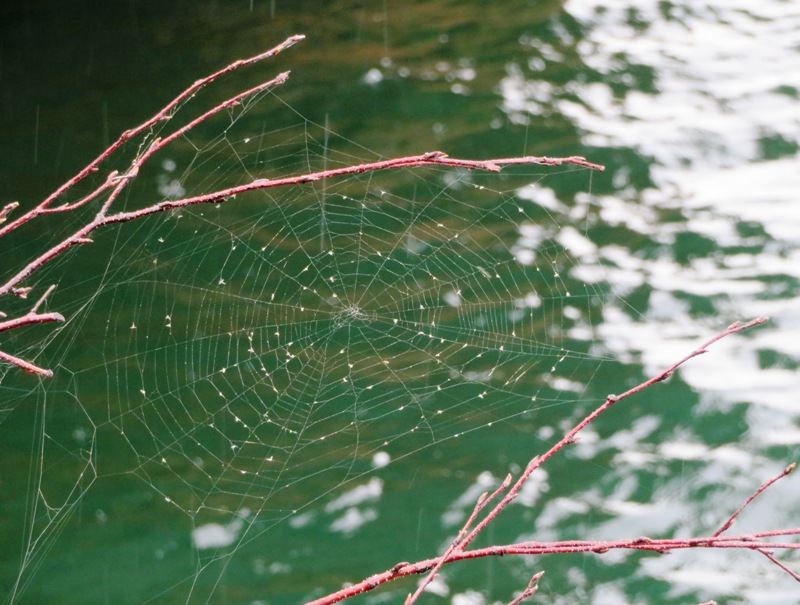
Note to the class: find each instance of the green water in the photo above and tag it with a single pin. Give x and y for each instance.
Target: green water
(455, 323)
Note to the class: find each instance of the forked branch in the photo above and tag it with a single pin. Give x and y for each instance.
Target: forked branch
(31, 317)
(762, 542)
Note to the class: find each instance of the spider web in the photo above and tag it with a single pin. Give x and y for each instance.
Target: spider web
(251, 357)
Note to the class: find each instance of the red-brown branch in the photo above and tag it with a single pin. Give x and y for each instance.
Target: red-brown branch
(432, 158)
(530, 589)
(760, 489)
(457, 552)
(660, 546)
(162, 116)
(610, 401)
(25, 365)
(29, 319)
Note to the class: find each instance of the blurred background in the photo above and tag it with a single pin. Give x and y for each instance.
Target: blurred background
(694, 109)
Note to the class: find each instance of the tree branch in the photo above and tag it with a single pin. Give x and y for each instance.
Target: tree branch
(162, 116)
(432, 158)
(457, 552)
(610, 401)
(761, 488)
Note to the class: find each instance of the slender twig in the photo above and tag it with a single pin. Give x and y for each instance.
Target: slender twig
(610, 401)
(772, 559)
(761, 488)
(163, 115)
(746, 542)
(750, 542)
(113, 178)
(30, 318)
(25, 365)
(42, 298)
(433, 158)
(483, 500)
(426, 159)
(530, 589)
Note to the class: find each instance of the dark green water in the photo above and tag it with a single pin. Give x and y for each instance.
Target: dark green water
(232, 379)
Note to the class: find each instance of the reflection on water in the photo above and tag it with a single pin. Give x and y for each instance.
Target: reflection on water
(233, 383)
(721, 125)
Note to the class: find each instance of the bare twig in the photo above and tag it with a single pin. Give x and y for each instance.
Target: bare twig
(610, 401)
(426, 159)
(30, 318)
(746, 542)
(26, 365)
(456, 544)
(761, 488)
(530, 589)
(775, 561)
(458, 552)
(163, 115)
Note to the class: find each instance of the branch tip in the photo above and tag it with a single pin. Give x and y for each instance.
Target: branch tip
(738, 326)
(533, 463)
(530, 589)
(28, 367)
(7, 209)
(42, 299)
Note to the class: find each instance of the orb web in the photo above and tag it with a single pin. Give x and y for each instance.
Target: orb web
(253, 356)
(306, 337)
